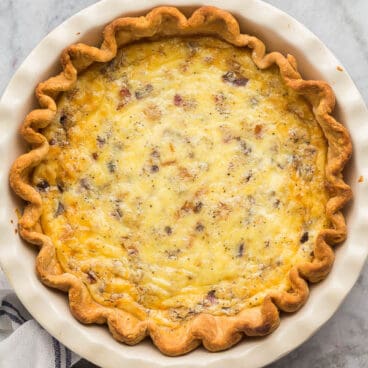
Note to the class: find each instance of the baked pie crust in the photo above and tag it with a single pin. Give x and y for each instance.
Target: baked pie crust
(217, 308)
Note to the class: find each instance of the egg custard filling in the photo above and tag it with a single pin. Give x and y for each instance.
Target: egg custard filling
(182, 179)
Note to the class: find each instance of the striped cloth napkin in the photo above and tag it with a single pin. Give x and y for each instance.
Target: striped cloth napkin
(23, 342)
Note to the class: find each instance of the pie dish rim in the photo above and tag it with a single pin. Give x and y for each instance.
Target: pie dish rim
(214, 332)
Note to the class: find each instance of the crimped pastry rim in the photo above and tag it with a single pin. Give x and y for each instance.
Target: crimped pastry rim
(216, 333)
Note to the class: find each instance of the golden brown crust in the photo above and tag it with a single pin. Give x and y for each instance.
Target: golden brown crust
(214, 332)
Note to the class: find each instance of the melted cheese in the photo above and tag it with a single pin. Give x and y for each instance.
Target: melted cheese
(182, 179)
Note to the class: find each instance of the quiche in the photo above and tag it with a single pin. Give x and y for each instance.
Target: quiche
(181, 182)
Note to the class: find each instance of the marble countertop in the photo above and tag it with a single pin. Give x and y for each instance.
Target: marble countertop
(342, 26)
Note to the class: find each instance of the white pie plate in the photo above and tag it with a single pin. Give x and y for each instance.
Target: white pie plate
(50, 308)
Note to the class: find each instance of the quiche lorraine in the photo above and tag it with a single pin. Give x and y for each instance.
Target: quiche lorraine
(181, 182)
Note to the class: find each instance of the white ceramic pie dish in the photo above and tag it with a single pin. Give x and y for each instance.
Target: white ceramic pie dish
(280, 32)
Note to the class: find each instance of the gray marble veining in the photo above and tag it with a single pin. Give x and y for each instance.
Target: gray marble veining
(341, 24)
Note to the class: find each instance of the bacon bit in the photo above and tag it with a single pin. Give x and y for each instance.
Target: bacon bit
(168, 230)
(198, 207)
(152, 112)
(154, 168)
(339, 68)
(178, 100)
(211, 296)
(52, 142)
(60, 209)
(240, 250)
(258, 131)
(235, 78)
(199, 227)
(125, 97)
(125, 93)
(144, 91)
(304, 237)
(361, 179)
(185, 103)
(100, 141)
(92, 277)
(43, 185)
(95, 155)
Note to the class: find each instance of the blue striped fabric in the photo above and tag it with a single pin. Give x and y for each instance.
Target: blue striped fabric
(56, 345)
(12, 316)
(4, 303)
